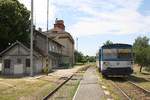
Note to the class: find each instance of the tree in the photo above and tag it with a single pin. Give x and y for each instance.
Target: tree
(78, 56)
(14, 22)
(92, 59)
(108, 42)
(141, 42)
(141, 57)
(141, 49)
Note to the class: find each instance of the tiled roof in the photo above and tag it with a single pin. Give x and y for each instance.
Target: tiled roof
(25, 45)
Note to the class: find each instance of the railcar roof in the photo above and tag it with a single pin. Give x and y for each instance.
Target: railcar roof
(117, 46)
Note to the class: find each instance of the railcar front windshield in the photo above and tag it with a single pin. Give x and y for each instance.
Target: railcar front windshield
(117, 54)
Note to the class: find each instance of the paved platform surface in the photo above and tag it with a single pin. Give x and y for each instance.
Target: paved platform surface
(89, 88)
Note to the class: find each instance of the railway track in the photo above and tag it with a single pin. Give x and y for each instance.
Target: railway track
(144, 90)
(57, 88)
(63, 83)
(126, 97)
(130, 90)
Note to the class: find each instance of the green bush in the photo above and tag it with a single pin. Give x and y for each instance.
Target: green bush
(45, 70)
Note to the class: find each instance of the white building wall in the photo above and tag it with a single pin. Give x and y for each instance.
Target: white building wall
(38, 65)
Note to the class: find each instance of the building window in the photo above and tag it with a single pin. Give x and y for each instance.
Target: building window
(53, 48)
(7, 63)
(65, 45)
(50, 48)
(27, 62)
(18, 61)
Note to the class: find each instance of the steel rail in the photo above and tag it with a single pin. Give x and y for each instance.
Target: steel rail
(57, 88)
(135, 86)
(124, 93)
(62, 84)
(146, 91)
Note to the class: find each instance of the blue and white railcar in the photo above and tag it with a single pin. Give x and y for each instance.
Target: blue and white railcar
(115, 60)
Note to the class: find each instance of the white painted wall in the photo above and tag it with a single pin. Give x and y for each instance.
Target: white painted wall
(18, 69)
(38, 65)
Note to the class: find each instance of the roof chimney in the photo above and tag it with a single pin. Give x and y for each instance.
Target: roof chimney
(59, 24)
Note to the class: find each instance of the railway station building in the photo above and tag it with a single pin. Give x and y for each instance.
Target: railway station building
(60, 35)
(54, 48)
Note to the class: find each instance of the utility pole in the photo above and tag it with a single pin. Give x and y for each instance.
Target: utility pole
(31, 41)
(47, 14)
(47, 61)
(77, 50)
(77, 43)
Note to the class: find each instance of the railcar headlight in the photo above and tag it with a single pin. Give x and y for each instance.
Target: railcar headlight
(106, 63)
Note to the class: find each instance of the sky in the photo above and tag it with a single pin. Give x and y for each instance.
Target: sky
(94, 22)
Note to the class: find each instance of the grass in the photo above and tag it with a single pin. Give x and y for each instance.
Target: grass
(12, 89)
(28, 88)
(142, 79)
(78, 64)
(144, 73)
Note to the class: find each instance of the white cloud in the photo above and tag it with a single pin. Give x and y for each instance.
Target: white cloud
(108, 17)
(40, 11)
(105, 16)
(120, 22)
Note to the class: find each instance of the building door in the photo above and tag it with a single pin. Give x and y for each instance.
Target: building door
(7, 64)
(27, 66)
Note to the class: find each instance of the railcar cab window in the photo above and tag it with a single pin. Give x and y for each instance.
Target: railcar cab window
(109, 54)
(124, 54)
(117, 54)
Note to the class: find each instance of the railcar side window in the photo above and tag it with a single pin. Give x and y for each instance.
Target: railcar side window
(7, 63)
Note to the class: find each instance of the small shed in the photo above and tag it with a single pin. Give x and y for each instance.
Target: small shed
(16, 60)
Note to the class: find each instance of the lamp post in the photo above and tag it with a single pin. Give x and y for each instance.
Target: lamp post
(31, 41)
